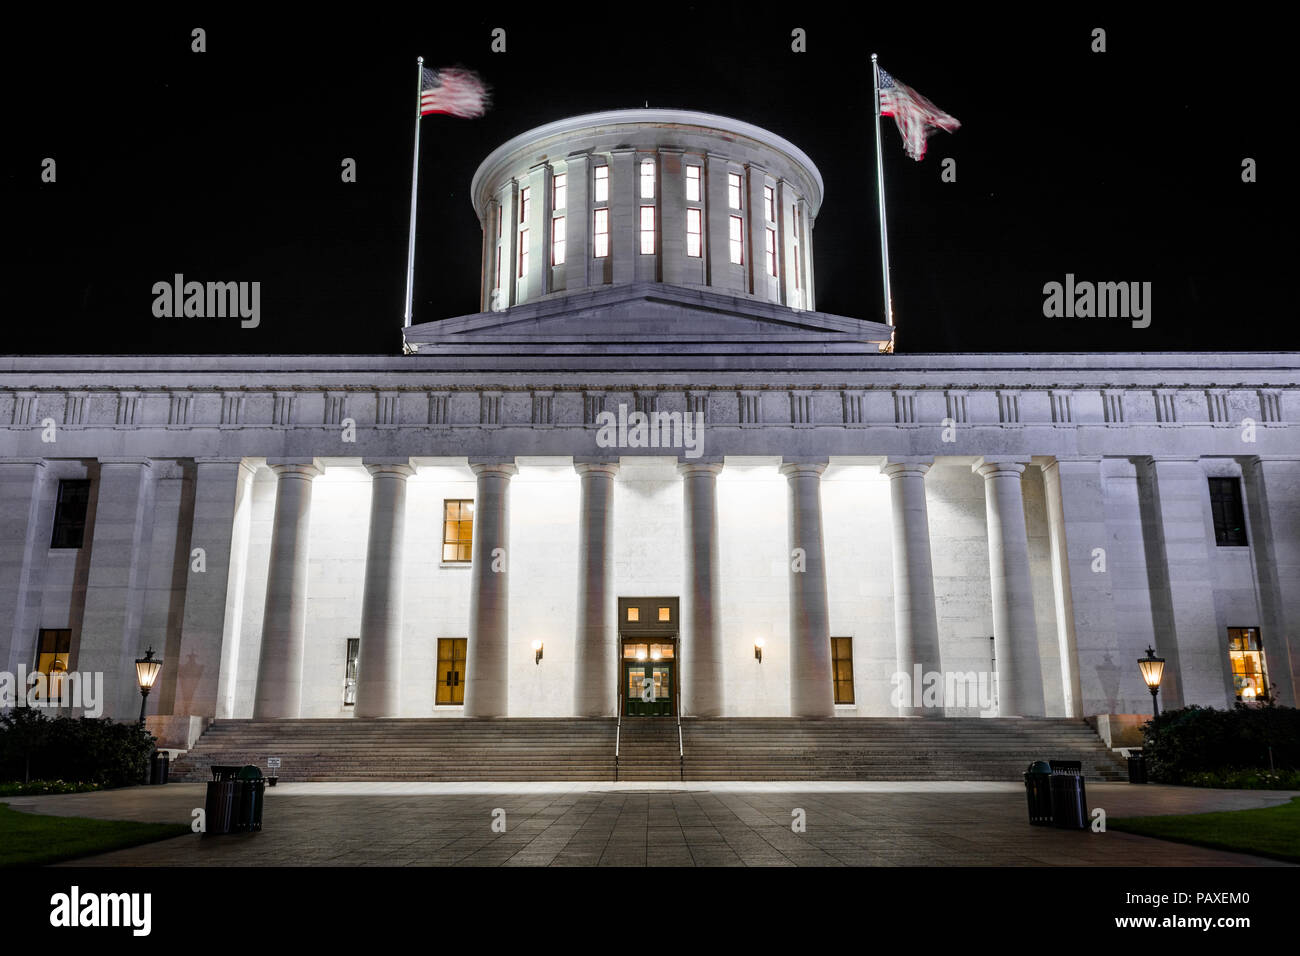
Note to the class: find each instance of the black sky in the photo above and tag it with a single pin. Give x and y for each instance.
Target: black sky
(225, 165)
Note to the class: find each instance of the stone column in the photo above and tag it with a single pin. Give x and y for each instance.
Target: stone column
(115, 586)
(379, 671)
(1273, 512)
(24, 542)
(916, 623)
(594, 674)
(701, 679)
(487, 651)
(217, 484)
(577, 215)
(1015, 634)
(284, 620)
(811, 692)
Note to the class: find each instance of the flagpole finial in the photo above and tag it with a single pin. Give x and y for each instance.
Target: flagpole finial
(420, 59)
(873, 58)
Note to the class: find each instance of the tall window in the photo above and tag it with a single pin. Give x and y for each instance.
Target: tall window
(501, 215)
(736, 230)
(500, 267)
(451, 670)
(647, 179)
(769, 203)
(523, 253)
(692, 184)
(350, 671)
(559, 189)
(600, 234)
(1249, 674)
(1229, 517)
(842, 668)
(693, 232)
(771, 251)
(70, 513)
(647, 230)
(457, 529)
(794, 250)
(602, 184)
(733, 190)
(557, 241)
(53, 645)
(525, 204)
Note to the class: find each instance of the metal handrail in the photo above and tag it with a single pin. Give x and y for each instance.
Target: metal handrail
(680, 750)
(618, 728)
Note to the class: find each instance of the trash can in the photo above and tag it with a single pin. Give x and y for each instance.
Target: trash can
(252, 796)
(1069, 801)
(1137, 767)
(159, 767)
(220, 806)
(1038, 792)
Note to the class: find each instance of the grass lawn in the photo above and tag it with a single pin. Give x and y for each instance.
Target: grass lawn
(1269, 831)
(30, 840)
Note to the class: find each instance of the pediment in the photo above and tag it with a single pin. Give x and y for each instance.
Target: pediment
(649, 320)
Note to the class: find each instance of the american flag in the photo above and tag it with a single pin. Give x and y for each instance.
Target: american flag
(454, 91)
(914, 114)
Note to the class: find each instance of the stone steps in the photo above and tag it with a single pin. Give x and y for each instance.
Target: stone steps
(518, 749)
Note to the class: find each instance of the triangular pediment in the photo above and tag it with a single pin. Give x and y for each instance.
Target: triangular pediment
(654, 322)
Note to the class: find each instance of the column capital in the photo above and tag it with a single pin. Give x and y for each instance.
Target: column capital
(500, 467)
(126, 460)
(898, 467)
(294, 467)
(395, 468)
(988, 468)
(595, 466)
(698, 466)
(809, 468)
(38, 462)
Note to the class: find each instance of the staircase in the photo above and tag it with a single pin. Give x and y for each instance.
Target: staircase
(737, 748)
(648, 749)
(874, 748)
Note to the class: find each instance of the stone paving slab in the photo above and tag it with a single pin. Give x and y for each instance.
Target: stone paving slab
(853, 824)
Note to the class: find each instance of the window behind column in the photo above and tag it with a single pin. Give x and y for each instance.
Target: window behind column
(842, 668)
(451, 671)
(693, 234)
(647, 230)
(1249, 670)
(692, 183)
(736, 241)
(1229, 517)
(350, 671)
(53, 645)
(600, 234)
(70, 513)
(557, 241)
(457, 529)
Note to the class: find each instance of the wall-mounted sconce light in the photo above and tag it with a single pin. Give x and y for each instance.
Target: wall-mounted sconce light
(537, 652)
(758, 649)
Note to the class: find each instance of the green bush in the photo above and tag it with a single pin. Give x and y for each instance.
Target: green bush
(45, 786)
(1201, 743)
(77, 749)
(1246, 779)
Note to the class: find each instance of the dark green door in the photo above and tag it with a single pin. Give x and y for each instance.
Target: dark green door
(648, 688)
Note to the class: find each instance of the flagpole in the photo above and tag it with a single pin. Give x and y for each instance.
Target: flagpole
(415, 184)
(880, 189)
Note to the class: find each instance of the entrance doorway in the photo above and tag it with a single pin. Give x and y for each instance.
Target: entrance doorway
(647, 679)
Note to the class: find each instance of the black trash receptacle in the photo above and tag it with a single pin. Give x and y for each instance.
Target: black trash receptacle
(1137, 767)
(1069, 800)
(159, 767)
(219, 809)
(1038, 792)
(252, 797)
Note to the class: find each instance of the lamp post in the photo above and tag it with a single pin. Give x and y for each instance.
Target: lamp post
(1153, 668)
(146, 672)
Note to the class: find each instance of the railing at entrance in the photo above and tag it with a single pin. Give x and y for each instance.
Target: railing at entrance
(618, 733)
(681, 751)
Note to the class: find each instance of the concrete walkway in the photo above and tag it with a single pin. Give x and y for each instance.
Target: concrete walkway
(656, 824)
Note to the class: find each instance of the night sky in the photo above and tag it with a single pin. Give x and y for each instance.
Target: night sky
(225, 165)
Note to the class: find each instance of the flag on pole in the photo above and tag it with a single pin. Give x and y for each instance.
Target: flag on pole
(454, 91)
(916, 116)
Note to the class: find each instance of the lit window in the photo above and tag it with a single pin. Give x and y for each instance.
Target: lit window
(771, 252)
(842, 668)
(693, 232)
(501, 215)
(665, 614)
(1249, 675)
(559, 187)
(794, 236)
(733, 190)
(70, 513)
(350, 671)
(523, 253)
(634, 614)
(53, 645)
(557, 241)
(692, 184)
(1229, 518)
(457, 529)
(737, 245)
(451, 670)
(600, 234)
(769, 203)
(647, 179)
(500, 266)
(602, 184)
(647, 230)
(525, 204)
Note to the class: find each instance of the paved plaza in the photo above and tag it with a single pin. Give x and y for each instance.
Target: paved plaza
(707, 824)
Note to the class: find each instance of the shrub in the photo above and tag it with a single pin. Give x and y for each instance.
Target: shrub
(77, 749)
(1190, 743)
(45, 786)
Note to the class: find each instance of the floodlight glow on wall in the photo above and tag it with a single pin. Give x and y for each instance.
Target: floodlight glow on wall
(537, 652)
(758, 649)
